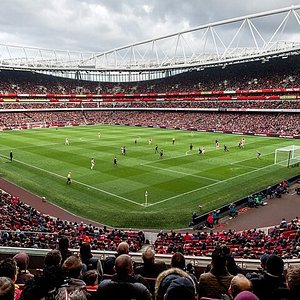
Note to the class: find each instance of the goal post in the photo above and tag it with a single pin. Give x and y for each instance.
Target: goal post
(287, 156)
(32, 125)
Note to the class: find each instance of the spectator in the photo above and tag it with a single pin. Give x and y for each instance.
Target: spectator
(181, 289)
(91, 278)
(216, 217)
(238, 284)
(63, 247)
(165, 279)
(210, 221)
(232, 267)
(246, 295)
(108, 266)
(72, 267)
(178, 261)
(88, 261)
(8, 268)
(7, 289)
(232, 210)
(150, 268)
(49, 283)
(268, 283)
(293, 282)
(23, 275)
(53, 258)
(122, 285)
(217, 281)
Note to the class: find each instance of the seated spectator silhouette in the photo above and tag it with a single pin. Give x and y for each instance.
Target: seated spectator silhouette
(293, 282)
(23, 275)
(108, 265)
(261, 269)
(53, 258)
(8, 268)
(89, 262)
(72, 267)
(122, 285)
(180, 289)
(150, 268)
(63, 247)
(215, 282)
(7, 289)
(238, 284)
(165, 279)
(178, 261)
(50, 284)
(91, 278)
(232, 267)
(267, 284)
(246, 295)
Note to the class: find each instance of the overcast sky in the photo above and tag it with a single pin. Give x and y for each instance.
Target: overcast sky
(98, 25)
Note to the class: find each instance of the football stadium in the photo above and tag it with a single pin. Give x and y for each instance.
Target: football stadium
(184, 146)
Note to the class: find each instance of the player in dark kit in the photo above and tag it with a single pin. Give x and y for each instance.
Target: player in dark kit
(156, 149)
(10, 155)
(161, 153)
(225, 148)
(115, 161)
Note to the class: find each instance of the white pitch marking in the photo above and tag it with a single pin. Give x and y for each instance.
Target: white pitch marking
(81, 183)
(183, 173)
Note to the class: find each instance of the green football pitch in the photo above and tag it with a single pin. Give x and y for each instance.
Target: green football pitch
(143, 190)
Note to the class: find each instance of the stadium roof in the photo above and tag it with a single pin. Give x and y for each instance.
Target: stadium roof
(231, 41)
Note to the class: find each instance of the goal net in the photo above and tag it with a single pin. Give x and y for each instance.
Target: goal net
(31, 125)
(287, 156)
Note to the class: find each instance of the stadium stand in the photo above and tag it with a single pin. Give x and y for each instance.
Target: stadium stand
(243, 98)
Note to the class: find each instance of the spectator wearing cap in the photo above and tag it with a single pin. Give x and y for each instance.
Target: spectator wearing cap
(217, 280)
(181, 288)
(23, 275)
(269, 282)
(263, 260)
(246, 295)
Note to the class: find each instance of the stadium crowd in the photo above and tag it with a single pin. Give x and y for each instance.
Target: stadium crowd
(66, 275)
(69, 276)
(23, 226)
(252, 123)
(251, 76)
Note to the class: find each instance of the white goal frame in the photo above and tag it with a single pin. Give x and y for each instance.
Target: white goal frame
(291, 156)
(33, 125)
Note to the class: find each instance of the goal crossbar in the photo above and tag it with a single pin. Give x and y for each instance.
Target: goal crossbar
(287, 156)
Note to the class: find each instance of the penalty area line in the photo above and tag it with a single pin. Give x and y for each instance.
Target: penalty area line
(208, 186)
(183, 173)
(80, 183)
